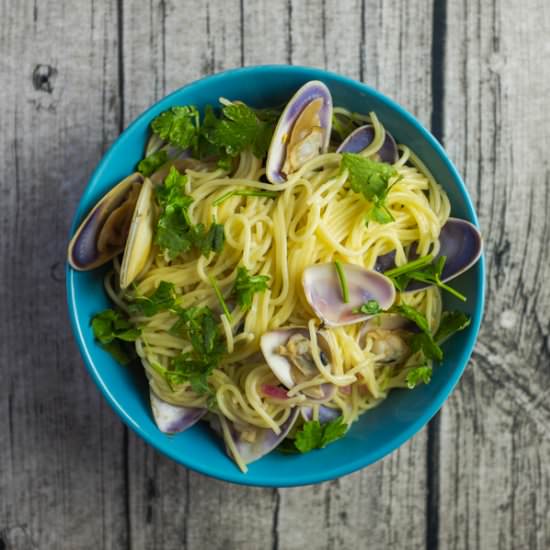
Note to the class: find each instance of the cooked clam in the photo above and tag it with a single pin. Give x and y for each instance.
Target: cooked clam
(362, 137)
(302, 133)
(172, 419)
(103, 233)
(140, 236)
(324, 294)
(459, 241)
(289, 355)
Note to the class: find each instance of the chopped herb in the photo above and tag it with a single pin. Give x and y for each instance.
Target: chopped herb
(314, 435)
(424, 341)
(175, 231)
(371, 178)
(153, 162)
(111, 329)
(179, 126)
(247, 285)
(245, 193)
(451, 322)
(422, 373)
(372, 307)
(219, 296)
(163, 298)
(342, 280)
(238, 130)
(200, 326)
(424, 270)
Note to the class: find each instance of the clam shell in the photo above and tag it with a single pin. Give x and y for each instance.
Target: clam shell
(460, 241)
(326, 414)
(140, 237)
(277, 153)
(362, 137)
(173, 419)
(281, 367)
(324, 294)
(83, 253)
(266, 440)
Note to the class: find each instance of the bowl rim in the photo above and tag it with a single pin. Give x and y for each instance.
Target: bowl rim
(349, 466)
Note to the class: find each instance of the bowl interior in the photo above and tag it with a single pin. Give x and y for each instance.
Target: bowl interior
(379, 431)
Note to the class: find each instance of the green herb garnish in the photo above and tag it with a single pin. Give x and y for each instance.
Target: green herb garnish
(424, 341)
(451, 322)
(175, 231)
(424, 270)
(220, 298)
(111, 329)
(200, 326)
(371, 178)
(163, 298)
(372, 307)
(178, 126)
(342, 280)
(314, 435)
(247, 285)
(152, 163)
(245, 193)
(240, 129)
(416, 375)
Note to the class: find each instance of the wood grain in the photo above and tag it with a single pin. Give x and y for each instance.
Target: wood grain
(494, 434)
(74, 74)
(61, 476)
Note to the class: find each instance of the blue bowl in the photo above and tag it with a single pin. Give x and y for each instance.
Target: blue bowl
(379, 431)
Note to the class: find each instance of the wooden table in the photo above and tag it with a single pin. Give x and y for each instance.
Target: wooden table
(74, 74)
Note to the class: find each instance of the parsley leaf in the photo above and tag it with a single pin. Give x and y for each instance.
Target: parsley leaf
(424, 270)
(110, 328)
(153, 162)
(315, 435)
(247, 285)
(179, 126)
(175, 231)
(372, 307)
(422, 373)
(451, 322)
(371, 178)
(164, 297)
(424, 341)
(201, 328)
(238, 130)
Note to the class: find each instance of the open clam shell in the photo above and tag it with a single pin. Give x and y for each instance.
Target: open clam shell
(140, 236)
(326, 414)
(362, 137)
(460, 242)
(303, 131)
(173, 419)
(285, 369)
(385, 321)
(264, 440)
(324, 294)
(102, 235)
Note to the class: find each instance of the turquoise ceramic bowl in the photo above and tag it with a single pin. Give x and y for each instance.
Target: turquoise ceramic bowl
(378, 432)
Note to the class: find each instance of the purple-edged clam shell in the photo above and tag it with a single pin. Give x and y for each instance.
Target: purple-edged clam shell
(266, 439)
(324, 294)
(171, 419)
(277, 153)
(83, 253)
(326, 414)
(281, 366)
(362, 137)
(460, 242)
(386, 321)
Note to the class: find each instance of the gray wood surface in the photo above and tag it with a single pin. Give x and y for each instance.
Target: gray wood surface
(74, 74)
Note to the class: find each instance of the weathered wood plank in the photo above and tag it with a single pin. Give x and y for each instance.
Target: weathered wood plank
(171, 507)
(494, 490)
(363, 509)
(61, 471)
